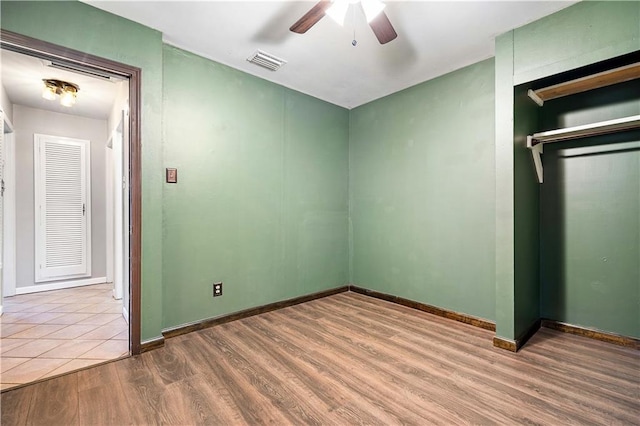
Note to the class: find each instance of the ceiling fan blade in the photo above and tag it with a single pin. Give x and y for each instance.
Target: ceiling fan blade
(311, 18)
(382, 28)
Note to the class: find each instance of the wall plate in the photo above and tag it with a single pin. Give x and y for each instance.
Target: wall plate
(217, 289)
(172, 175)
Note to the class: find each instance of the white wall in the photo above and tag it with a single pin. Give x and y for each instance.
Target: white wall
(6, 104)
(121, 101)
(115, 116)
(27, 122)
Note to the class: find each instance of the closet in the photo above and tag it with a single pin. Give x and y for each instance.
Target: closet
(583, 130)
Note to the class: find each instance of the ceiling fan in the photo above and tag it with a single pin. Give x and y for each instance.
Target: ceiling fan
(337, 9)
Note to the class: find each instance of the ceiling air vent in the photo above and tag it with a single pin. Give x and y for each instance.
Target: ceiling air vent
(266, 60)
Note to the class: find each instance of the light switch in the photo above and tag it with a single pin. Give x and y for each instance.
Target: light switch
(172, 175)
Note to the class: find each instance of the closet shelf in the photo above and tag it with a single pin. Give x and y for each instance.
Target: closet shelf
(594, 81)
(537, 140)
(592, 129)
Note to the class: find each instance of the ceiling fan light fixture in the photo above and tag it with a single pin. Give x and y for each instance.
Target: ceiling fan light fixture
(338, 11)
(372, 8)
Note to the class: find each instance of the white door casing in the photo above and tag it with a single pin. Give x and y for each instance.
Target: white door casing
(118, 203)
(2, 154)
(8, 212)
(108, 151)
(62, 184)
(126, 213)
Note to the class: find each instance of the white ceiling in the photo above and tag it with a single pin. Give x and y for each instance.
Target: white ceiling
(434, 37)
(22, 77)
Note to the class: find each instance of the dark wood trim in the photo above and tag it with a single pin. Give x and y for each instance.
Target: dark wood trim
(515, 345)
(149, 345)
(507, 344)
(135, 217)
(616, 339)
(210, 322)
(533, 329)
(456, 316)
(42, 49)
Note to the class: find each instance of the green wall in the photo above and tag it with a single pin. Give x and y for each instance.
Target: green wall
(526, 202)
(261, 203)
(582, 34)
(262, 199)
(425, 194)
(504, 195)
(590, 214)
(422, 192)
(85, 28)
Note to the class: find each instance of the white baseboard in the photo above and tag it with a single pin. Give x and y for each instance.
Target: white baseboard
(1, 310)
(113, 292)
(125, 314)
(60, 285)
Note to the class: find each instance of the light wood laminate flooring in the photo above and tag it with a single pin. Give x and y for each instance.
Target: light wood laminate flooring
(341, 360)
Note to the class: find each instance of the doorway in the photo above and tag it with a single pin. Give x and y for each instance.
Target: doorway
(129, 289)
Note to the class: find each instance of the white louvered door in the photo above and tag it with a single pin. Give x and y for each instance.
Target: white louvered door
(62, 195)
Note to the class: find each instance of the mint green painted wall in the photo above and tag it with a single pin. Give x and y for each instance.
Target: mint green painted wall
(587, 32)
(422, 194)
(504, 166)
(261, 200)
(576, 36)
(526, 202)
(85, 28)
(426, 220)
(590, 230)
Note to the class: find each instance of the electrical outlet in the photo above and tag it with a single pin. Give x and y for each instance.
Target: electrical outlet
(217, 289)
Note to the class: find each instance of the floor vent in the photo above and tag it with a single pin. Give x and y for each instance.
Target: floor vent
(266, 60)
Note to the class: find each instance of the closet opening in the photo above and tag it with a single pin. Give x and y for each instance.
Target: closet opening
(578, 204)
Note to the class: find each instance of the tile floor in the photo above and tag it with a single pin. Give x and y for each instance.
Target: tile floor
(50, 333)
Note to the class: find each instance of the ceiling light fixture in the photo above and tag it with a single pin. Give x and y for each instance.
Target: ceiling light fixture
(372, 8)
(67, 91)
(338, 10)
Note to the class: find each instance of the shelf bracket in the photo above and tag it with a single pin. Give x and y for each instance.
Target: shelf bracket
(535, 98)
(537, 140)
(536, 153)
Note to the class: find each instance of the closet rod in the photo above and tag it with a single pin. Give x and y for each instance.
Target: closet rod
(536, 141)
(586, 130)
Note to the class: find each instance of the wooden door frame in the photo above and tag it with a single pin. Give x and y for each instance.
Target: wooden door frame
(45, 50)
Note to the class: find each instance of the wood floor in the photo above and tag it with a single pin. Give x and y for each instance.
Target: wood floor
(345, 359)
